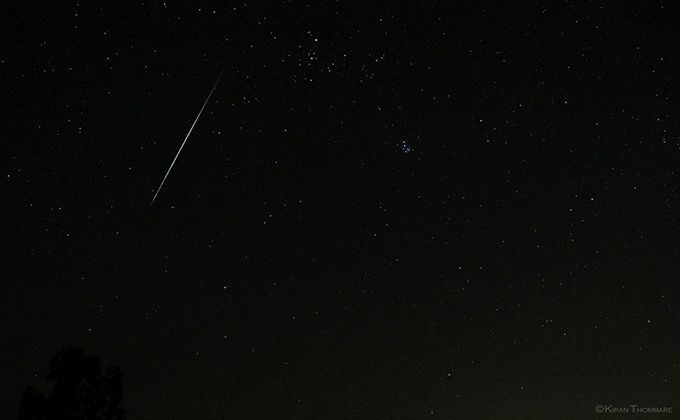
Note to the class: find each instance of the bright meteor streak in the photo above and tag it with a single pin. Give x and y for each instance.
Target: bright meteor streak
(186, 138)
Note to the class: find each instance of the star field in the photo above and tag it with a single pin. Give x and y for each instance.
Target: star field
(425, 211)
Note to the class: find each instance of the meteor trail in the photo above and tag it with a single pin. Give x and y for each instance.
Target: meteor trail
(186, 138)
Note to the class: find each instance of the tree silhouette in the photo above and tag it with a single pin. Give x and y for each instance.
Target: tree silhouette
(80, 391)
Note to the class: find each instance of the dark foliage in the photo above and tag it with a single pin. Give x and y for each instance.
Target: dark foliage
(80, 391)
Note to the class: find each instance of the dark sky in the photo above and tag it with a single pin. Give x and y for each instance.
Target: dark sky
(384, 212)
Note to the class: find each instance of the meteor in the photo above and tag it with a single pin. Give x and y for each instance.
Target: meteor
(186, 138)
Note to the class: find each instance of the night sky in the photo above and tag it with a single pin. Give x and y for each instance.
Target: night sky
(414, 210)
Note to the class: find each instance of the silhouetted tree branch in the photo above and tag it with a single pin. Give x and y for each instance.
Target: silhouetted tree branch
(80, 391)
